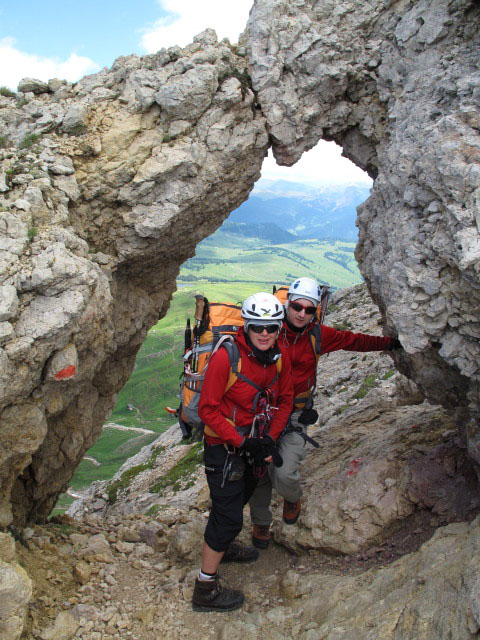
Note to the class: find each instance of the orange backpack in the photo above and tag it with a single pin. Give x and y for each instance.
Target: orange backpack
(216, 324)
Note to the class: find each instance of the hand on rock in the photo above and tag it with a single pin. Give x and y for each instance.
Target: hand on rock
(395, 344)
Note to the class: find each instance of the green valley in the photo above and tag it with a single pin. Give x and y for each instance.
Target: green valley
(226, 257)
(228, 266)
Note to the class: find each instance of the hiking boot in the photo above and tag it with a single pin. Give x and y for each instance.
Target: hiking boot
(209, 595)
(238, 552)
(261, 535)
(291, 511)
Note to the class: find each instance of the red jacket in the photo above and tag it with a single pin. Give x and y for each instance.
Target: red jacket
(303, 360)
(218, 406)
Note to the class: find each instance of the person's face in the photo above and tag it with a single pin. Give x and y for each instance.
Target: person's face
(300, 318)
(264, 340)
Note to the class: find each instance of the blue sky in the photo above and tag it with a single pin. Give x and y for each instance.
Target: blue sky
(95, 29)
(69, 39)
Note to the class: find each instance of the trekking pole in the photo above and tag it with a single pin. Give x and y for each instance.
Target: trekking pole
(324, 302)
(199, 307)
(188, 336)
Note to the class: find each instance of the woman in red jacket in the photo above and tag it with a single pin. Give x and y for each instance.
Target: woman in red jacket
(242, 422)
(296, 338)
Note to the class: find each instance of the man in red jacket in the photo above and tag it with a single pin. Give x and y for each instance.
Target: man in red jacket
(304, 340)
(242, 421)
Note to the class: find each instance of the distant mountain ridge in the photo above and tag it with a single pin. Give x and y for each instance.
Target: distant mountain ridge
(302, 210)
(268, 231)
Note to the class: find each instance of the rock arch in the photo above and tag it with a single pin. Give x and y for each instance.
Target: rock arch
(142, 162)
(394, 84)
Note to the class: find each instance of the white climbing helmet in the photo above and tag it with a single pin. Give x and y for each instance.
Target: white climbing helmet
(304, 288)
(262, 308)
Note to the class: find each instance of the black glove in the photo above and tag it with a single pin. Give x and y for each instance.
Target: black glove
(308, 416)
(254, 450)
(395, 344)
(257, 449)
(251, 445)
(270, 449)
(276, 457)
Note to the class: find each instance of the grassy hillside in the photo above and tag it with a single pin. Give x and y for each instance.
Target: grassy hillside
(231, 258)
(227, 267)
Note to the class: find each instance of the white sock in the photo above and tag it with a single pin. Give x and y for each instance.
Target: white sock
(206, 576)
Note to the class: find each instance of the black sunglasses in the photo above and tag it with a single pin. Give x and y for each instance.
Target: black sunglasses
(296, 306)
(260, 328)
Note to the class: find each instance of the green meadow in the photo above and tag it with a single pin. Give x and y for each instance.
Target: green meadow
(230, 258)
(226, 268)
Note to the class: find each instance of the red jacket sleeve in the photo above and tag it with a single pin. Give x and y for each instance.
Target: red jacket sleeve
(213, 390)
(334, 340)
(285, 398)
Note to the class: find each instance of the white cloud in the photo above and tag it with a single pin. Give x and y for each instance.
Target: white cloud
(189, 17)
(323, 164)
(15, 65)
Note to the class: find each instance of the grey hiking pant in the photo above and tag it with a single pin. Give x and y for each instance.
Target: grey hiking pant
(285, 479)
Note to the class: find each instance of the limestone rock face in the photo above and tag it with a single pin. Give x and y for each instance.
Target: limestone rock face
(396, 84)
(411, 598)
(106, 188)
(377, 465)
(15, 591)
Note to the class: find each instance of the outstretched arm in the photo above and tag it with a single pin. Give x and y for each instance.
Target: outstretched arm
(335, 340)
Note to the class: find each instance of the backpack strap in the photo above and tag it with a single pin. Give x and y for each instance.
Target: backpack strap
(235, 362)
(305, 400)
(235, 371)
(316, 339)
